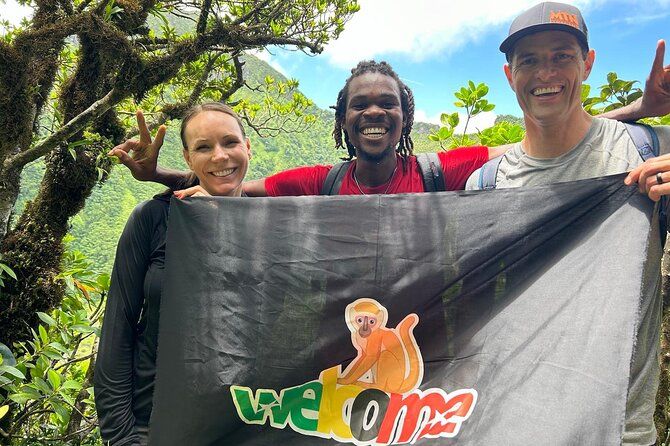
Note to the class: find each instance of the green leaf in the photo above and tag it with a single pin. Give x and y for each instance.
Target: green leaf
(60, 409)
(433, 137)
(71, 385)
(21, 397)
(459, 104)
(80, 328)
(54, 378)
(51, 322)
(445, 133)
(10, 272)
(3, 411)
(444, 119)
(43, 334)
(41, 385)
(472, 86)
(9, 370)
(454, 119)
(489, 107)
(611, 77)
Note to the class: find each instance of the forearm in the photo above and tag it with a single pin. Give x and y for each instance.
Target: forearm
(630, 112)
(255, 188)
(174, 179)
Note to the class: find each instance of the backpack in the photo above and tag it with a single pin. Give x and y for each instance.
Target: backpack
(429, 166)
(645, 139)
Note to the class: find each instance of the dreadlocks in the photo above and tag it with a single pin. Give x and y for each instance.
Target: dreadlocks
(406, 146)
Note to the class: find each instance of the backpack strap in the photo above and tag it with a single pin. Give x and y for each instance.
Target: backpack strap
(333, 182)
(488, 173)
(646, 141)
(431, 172)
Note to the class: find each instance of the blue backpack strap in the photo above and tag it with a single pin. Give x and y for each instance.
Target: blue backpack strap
(488, 173)
(646, 141)
(333, 182)
(431, 172)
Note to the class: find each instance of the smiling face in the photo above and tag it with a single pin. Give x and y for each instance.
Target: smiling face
(373, 120)
(217, 152)
(546, 73)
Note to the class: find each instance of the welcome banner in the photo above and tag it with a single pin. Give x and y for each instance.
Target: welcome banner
(504, 317)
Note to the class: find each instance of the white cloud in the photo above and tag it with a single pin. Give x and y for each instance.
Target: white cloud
(422, 116)
(480, 122)
(421, 28)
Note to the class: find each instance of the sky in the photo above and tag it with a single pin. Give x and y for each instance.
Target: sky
(436, 46)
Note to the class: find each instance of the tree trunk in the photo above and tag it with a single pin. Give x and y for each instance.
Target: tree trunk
(34, 248)
(9, 192)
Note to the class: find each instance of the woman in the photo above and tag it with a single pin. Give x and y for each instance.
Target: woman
(217, 152)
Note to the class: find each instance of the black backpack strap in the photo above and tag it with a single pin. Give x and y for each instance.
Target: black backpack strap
(646, 141)
(488, 173)
(334, 178)
(431, 172)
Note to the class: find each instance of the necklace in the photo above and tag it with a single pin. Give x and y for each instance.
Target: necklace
(388, 186)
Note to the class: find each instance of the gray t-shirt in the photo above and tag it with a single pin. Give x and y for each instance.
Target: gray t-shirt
(606, 149)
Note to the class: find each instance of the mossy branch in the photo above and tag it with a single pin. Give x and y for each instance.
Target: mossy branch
(66, 131)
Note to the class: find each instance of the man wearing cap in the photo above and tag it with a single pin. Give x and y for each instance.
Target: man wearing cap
(548, 58)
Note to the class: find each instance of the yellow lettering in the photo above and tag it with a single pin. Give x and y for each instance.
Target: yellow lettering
(333, 399)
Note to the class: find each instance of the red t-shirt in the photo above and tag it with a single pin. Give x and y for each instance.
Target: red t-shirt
(457, 166)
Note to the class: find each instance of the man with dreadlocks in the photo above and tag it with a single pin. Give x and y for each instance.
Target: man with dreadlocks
(374, 115)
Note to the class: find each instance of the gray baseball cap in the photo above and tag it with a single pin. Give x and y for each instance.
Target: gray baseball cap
(547, 16)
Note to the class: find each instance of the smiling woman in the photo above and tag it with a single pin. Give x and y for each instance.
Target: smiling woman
(217, 151)
(216, 148)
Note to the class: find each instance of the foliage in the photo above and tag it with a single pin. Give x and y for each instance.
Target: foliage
(76, 71)
(616, 93)
(471, 98)
(49, 387)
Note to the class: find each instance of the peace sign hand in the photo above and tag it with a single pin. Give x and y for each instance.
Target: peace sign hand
(141, 157)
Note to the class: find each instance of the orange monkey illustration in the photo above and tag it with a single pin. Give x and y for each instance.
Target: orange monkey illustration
(388, 358)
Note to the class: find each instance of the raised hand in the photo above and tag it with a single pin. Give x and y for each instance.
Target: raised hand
(656, 97)
(141, 156)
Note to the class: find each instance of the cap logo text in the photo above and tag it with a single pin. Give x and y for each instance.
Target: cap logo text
(565, 18)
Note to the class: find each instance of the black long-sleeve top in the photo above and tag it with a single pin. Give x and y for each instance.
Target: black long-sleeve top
(125, 366)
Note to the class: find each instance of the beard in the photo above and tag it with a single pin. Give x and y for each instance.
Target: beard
(374, 157)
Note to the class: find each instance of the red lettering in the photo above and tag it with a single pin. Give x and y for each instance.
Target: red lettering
(439, 414)
(449, 421)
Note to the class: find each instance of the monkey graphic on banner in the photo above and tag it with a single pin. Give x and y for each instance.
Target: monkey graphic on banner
(388, 359)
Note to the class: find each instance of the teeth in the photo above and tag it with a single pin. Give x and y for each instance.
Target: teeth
(546, 90)
(223, 173)
(374, 131)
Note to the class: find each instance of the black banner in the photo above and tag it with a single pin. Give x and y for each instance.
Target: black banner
(502, 317)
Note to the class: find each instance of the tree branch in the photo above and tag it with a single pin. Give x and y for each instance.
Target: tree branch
(239, 80)
(76, 124)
